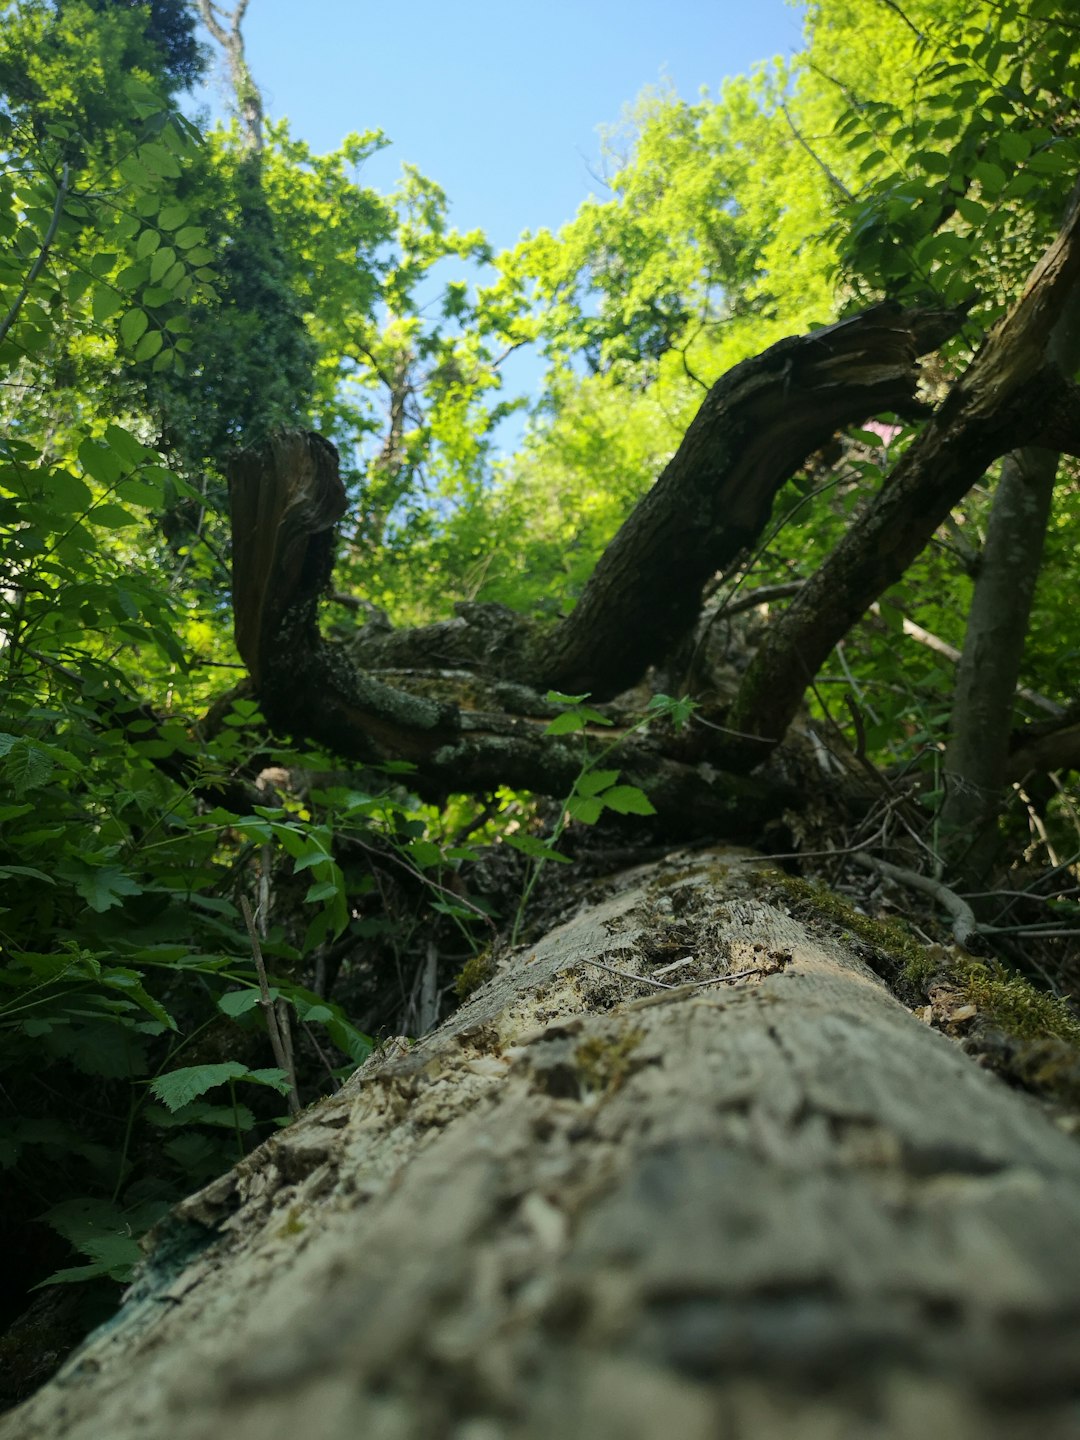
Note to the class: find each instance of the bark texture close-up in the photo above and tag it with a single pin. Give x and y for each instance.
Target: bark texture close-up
(683, 1165)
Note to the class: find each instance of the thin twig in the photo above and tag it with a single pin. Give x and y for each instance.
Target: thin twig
(268, 1007)
(629, 975)
(39, 260)
(833, 179)
(424, 879)
(964, 925)
(732, 975)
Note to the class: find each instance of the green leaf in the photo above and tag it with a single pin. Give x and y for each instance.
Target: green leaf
(67, 493)
(424, 853)
(537, 849)
(990, 176)
(131, 451)
(586, 809)
(149, 241)
(239, 1002)
(133, 326)
(149, 345)
(112, 517)
(105, 303)
(105, 887)
(593, 781)
(275, 1079)
(556, 697)
(99, 463)
(27, 767)
(180, 1087)
(173, 216)
(892, 616)
(563, 724)
(1014, 147)
(163, 261)
(628, 800)
(26, 870)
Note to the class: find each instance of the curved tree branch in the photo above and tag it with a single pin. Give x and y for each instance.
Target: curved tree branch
(1010, 396)
(754, 428)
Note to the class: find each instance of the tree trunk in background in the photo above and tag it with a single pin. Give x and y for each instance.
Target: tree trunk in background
(587, 1206)
(976, 759)
(989, 668)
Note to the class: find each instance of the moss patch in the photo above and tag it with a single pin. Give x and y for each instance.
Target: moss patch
(603, 1063)
(905, 958)
(1026, 1036)
(474, 973)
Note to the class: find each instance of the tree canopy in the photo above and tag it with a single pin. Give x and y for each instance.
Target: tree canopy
(308, 689)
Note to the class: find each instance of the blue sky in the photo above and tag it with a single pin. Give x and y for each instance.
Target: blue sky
(500, 103)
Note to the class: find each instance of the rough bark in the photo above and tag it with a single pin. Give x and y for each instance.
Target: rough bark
(286, 499)
(755, 427)
(774, 1206)
(976, 757)
(1012, 395)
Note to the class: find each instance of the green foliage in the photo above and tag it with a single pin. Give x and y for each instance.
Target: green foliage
(166, 296)
(594, 789)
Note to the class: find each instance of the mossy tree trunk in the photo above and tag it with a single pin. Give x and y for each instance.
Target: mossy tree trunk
(763, 1201)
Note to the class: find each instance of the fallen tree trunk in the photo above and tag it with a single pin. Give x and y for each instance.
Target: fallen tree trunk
(684, 1167)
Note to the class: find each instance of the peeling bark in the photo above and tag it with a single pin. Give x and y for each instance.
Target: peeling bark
(776, 1206)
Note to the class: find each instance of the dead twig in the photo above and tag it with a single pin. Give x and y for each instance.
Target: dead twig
(277, 1045)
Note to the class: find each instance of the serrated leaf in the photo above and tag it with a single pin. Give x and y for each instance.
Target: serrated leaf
(180, 1087)
(593, 781)
(275, 1079)
(628, 800)
(586, 809)
(105, 887)
(27, 767)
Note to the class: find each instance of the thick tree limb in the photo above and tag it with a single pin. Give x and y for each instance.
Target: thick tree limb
(286, 498)
(1009, 397)
(755, 427)
(1047, 745)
